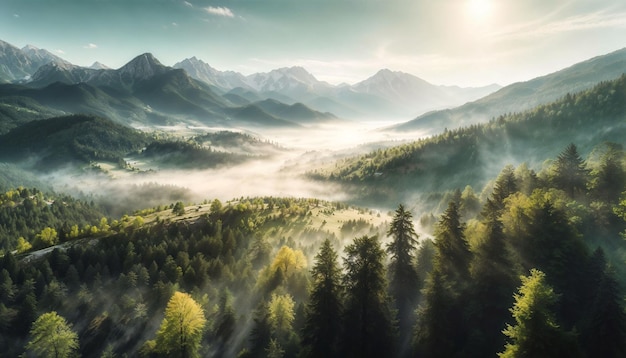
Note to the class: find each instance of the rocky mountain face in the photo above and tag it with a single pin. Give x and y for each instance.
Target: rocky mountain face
(19, 64)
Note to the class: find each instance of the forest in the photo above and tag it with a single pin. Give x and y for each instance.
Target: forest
(472, 155)
(531, 266)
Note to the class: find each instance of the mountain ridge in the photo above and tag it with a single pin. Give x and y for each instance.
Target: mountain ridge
(520, 96)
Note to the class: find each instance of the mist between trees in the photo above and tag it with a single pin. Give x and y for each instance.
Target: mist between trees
(532, 266)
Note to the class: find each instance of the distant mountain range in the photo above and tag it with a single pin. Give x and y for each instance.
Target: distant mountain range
(523, 95)
(143, 91)
(38, 84)
(385, 94)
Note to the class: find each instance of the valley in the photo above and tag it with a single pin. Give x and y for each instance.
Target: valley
(284, 216)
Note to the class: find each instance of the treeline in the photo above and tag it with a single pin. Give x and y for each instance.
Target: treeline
(532, 268)
(113, 291)
(27, 215)
(188, 155)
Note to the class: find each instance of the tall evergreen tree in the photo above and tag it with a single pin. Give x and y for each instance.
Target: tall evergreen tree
(261, 333)
(435, 320)
(368, 325)
(445, 290)
(536, 333)
(505, 185)
(610, 176)
(404, 283)
(569, 172)
(453, 256)
(606, 336)
(322, 327)
(493, 281)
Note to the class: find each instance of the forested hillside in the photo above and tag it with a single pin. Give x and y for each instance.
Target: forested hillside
(472, 155)
(534, 268)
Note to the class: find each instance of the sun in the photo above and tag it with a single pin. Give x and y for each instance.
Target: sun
(479, 9)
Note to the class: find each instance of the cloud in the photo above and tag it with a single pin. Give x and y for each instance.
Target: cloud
(187, 3)
(174, 24)
(59, 51)
(90, 46)
(534, 29)
(219, 11)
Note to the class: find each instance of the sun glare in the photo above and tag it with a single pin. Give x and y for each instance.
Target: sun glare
(479, 9)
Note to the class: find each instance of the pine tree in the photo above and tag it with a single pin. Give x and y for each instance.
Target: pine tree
(261, 334)
(536, 333)
(610, 177)
(432, 335)
(445, 290)
(403, 284)
(606, 335)
(492, 283)
(322, 328)
(368, 327)
(570, 173)
(453, 256)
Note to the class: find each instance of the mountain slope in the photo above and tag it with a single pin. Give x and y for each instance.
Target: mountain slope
(385, 94)
(524, 95)
(296, 112)
(471, 154)
(18, 64)
(146, 91)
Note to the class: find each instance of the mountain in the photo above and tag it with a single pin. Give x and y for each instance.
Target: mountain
(296, 112)
(99, 66)
(523, 95)
(385, 94)
(223, 80)
(469, 155)
(292, 81)
(41, 56)
(146, 91)
(19, 64)
(140, 68)
(61, 72)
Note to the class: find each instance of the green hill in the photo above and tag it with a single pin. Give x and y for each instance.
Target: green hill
(473, 154)
(56, 142)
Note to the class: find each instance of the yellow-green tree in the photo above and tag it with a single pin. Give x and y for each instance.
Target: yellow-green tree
(23, 245)
(536, 332)
(288, 260)
(281, 313)
(47, 237)
(181, 330)
(52, 336)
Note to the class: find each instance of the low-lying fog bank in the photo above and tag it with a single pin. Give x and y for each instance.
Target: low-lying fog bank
(279, 175)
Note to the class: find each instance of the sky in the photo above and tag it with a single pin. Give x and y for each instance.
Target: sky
(451, 42)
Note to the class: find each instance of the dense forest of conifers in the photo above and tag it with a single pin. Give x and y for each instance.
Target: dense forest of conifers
(532, 268)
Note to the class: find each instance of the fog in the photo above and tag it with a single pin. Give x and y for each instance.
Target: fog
(280, 173)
